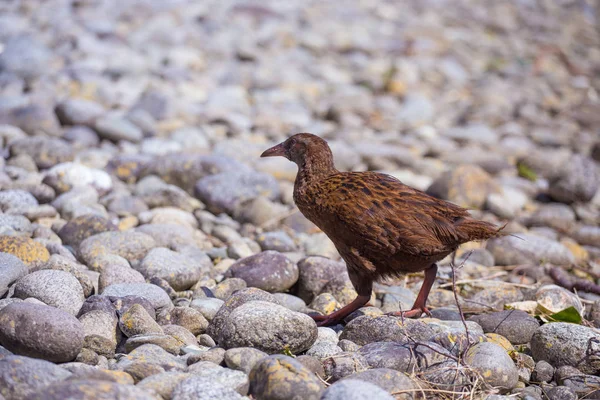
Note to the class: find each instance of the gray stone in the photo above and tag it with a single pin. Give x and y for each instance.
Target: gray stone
(561, 393)
(166, 342)
(227, 191)
(78, 112)
(180, 271)
(207, 306)
(290, 301)
(528, 248)
(55, 288)
(100, 329)
(578, 180)
(232, 302)
(60, 340)
(243, 358)
(543, 372)
(112, 274)
(323, 350)
(15, 225)
(132, 246)
(25, 56)
(315, 273)
(277, 241)
(494, 364)
(176, 236)
(81, 389)
(80, 228)
(163, 384)
(517, 326)
(181, 334)
(11, 269)
(62, 263)
(151, 354)
(587, 235)
(235, 380)
(188, 317)
(279, 377)
(16, 199)
(203, 388)
(388, 379)
(353, 389)
(156, 296)
(47, 152)
(554, 298)
(20, 376)
(136, 321)
(268, 327)
(116, 129)
(366, 329)
(270, 271)
(562, 343)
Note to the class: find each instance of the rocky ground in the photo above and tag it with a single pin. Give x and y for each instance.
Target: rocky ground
(148, 253)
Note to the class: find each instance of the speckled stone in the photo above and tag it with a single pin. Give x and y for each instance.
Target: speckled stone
(80, 228)
(132, 246)
(28, 250)
(280, 377)
(20, 376)
(81, 389)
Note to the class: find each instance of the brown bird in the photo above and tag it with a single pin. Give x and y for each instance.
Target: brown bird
(381, 227)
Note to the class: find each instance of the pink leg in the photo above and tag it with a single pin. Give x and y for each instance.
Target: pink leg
(419, 307)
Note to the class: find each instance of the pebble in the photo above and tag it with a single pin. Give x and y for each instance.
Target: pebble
(132, 246)
(243, 358)
(579, 180)
(62, 338)
(562, 343)
(111, 274)
(115, 128)
(493, 364)
(78, 112)
(235, 380)
(80, 390)
(21, 377)
(137, 321)
(517, 326)
(367, 329)
(11, 269)
(32, 253)
(100, 329)
(180, 271)
(528, 248)
(163, 383)
(388, 379)
(276, 241)
(314, 274)
(282, 377)
(227, 191)
(553, 299)
(203, 388)
(55, 288)
(268, 327)
(188, 317)
(157, 297)
(354, 389)
(270, 271)
(152, 354)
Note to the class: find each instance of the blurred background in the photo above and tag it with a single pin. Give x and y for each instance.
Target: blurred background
(490, 104)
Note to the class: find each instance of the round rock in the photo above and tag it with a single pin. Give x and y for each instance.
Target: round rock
(388, 379)
(81, 389)
(156, 296)
(243, 358)
(493, 364)
(562, 343)
(515, 325)
(366, 329)
(11, 269)
(28, 250)
(132, 246)
(55, 288)
(180, 271)
(280, 377)
(203, 388)
(20, 376)
(80, 228)
(353, 389)
(60, 340)
(269, 327)
(270, 271)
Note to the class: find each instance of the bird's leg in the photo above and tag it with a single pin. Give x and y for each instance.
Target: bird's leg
(363, 287)
(339, 315)
(419, 307)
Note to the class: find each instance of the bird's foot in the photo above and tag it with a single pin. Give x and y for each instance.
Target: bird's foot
(415, 312)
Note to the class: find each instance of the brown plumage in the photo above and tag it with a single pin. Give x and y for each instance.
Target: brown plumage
(380, 226)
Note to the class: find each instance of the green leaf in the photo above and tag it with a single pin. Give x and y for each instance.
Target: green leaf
(287, 351)
(526, 172)
(567, 315)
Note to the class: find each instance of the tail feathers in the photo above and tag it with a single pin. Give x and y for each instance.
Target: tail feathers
(474, 229)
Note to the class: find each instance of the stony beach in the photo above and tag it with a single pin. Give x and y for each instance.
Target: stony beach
(148, 252)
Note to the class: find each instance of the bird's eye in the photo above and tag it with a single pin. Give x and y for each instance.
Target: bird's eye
(292, 142)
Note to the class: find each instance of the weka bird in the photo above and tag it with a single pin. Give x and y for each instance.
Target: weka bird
(381, 227)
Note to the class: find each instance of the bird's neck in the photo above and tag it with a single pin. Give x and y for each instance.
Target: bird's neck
(314, 169)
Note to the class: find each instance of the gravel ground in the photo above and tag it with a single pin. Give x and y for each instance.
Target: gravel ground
(146, 252)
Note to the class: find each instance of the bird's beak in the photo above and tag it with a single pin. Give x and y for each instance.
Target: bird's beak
(275, 151)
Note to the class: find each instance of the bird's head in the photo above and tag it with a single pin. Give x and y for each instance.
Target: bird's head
(299, 147)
